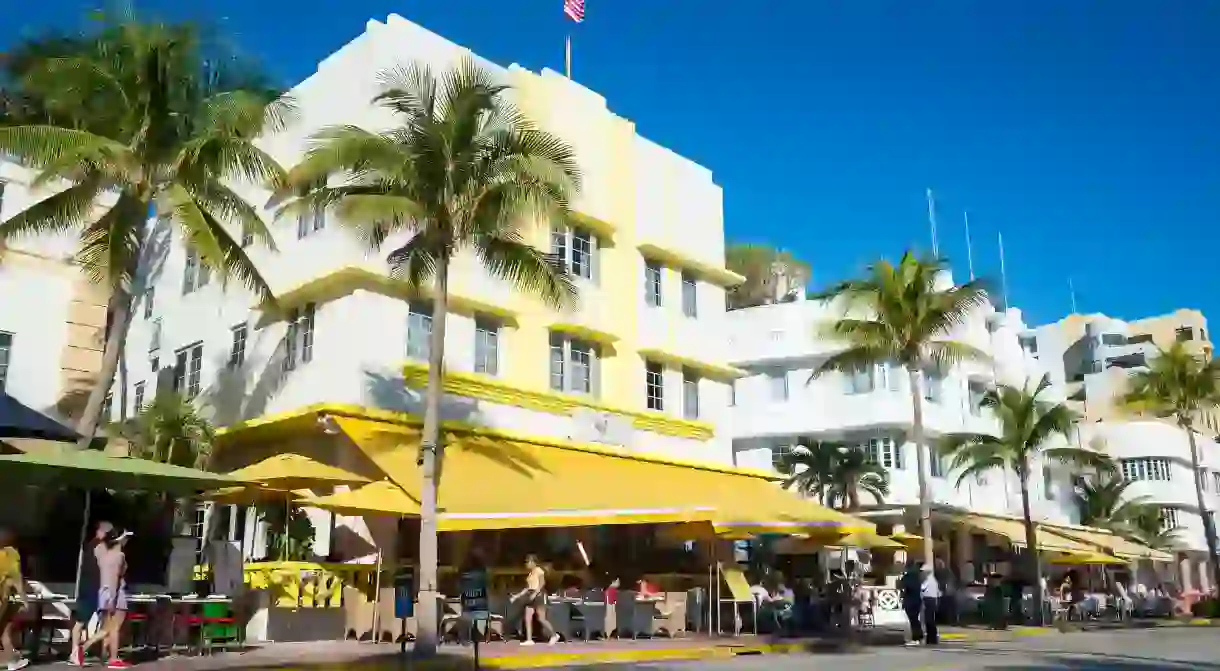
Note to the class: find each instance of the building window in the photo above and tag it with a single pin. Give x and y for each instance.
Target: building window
(419, 331)
(1147, 468)
(138, 398)
(884, 451)
(149, 299)
(1169, 519)
(1113, 339)
(860, 381)
(196, 273)
(779, 386)
(154, 363)
(575, 249)
(1048, 483)
(486, 346)
(733, 392)
(574, 365)
(1203, 483)
(690, 395)
(108, 406)
(237, 348)
(154, 338)
(781, 452)
(654, 385)
(1029, 343)
(6, 355)
(1185, 334)
(311, 220)
(3, 186)
(975, 391)
(690, 296)
(936, 463)
(188, 365)
(933, 386)
(1216, 481)
(298, 342)
(652, 283)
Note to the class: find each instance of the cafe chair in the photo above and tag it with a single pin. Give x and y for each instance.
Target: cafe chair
(589, 619)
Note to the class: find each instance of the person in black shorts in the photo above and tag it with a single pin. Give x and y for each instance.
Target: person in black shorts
(86, 599)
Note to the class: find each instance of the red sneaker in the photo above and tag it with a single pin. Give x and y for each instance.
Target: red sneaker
(77, 658)
(118, 664)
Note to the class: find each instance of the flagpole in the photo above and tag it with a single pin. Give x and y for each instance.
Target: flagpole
(969, 251)
(567, 55)
(1003, 272)
(932, 223)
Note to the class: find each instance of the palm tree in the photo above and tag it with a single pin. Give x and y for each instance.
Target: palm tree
(131, 119)
(1102, 503)
(1148, 526)
(762, 265)
(1028, 425)
(1180, 386)
(465, 171)
(903, 314)
(835, 474)
(171, 430)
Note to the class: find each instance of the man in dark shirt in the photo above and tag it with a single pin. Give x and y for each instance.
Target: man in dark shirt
(86, 598)
(910, 586)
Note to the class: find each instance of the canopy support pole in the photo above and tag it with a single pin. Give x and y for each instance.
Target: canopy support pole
(80, 547)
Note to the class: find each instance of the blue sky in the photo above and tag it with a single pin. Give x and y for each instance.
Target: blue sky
(1088, 132)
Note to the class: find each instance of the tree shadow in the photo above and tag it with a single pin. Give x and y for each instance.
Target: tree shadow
(1039, 659)
(244, 391)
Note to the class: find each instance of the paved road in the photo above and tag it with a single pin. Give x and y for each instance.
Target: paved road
(1195, 649)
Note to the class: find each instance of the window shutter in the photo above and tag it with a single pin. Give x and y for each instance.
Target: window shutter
(595, 259)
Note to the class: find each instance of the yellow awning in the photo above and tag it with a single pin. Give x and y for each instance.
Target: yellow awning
(1121, 547)
(378, 498)
(492, 482)
(1014, 532)
(1086, 559)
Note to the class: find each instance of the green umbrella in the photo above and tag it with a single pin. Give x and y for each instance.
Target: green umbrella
(91, 469)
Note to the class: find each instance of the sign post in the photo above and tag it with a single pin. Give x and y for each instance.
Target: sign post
(474, 605)
(404, 600)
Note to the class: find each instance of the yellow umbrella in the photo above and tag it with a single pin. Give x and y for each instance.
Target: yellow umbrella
(868, 540)
(1086, 559)
(251, 494)
(294, 471)
(378, 498)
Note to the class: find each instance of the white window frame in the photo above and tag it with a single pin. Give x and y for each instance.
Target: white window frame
(310, 221)
(137, 400)
(860, 381)
(884, 450)
(238, 335)
(195, 273)
(974, 400)
(690, 395)
(690, 296)
(936, 463)
(150, 295)
(576, 249)
(933, 386)
(419, 331)
(6, 357)
(1048, 483)
(1169, 518)
(486, 345)
(654, 386)
(568, 355)
(653, 293)
(298, 341)
(777, 380)
(188, 370)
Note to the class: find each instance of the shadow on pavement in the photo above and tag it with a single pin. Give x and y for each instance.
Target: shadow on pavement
(1041, 660)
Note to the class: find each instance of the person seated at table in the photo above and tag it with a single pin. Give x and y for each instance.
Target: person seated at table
(534, 598)
(12, 599)
(86, 601)
(646, 589)
(112, 595)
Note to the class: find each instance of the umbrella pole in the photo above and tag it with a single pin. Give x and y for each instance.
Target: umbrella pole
(377, 600)
(80, 547)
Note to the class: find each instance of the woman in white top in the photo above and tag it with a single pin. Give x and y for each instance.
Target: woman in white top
(112, 595)
(534, 595)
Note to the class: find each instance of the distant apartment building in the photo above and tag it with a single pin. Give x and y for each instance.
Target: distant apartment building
(52, 317)
(779, 404)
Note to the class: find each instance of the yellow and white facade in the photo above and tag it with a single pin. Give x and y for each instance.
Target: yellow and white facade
(644, 212)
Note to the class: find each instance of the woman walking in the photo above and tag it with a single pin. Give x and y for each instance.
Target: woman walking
(12, 598)
(112, 595)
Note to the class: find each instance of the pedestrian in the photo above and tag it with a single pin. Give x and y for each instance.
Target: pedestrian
(112, 596)
(12, 598)
(912, 600)
(86, 598)
(534, 596)
(929, 591)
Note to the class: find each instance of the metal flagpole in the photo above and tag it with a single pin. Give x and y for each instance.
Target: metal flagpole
(1072, 293)
(1003, 273)
(932, 222)
(567, 55)
(969, 251)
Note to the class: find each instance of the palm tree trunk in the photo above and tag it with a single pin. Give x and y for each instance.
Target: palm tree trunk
(118, 312)
(1209, 529)
(1031, 543)
(426, 634)
(921, 463)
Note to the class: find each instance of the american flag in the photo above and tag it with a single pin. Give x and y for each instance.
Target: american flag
(574, 9)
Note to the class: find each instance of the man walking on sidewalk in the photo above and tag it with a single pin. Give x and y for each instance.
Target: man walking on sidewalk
(912, 600)
(929, 591)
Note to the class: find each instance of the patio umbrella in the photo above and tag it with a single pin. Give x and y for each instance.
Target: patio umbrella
(379, 498)
(18, 420)
(92, 469)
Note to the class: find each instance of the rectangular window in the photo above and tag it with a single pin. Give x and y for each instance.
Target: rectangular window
(575, 249)
(6, 355)
(1185, 334)
(419, 331)
(690, 296)
(137, 398)
(1169, 519)
(1147, 468)
(733, 392)
(237, 348)
(690, 395)
(933, 386)
(936, 463)
(1048, 483)
(574, 365)
(1113, 339)
(781, 450)
(861, 380)
(195, 274)
(298, 341)
(149, 299)
(154, 339)
(310, 221)
(654, 385)
(486, 346)
(108, 407)
(889, 376)
(1216, 481)
(779, 386)
(1029, 343)
(1203, 483)
(188, 367)
(975, 392)
(884, 451)
(652, 283)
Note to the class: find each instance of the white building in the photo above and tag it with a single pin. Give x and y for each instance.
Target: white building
(779, 403)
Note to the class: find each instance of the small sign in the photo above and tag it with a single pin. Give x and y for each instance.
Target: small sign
(404, 593)
(474, 594)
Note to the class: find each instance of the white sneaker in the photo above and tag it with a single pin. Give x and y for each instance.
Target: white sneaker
(19, 663)
(554, 639)
(913, 644)
(528, 641)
